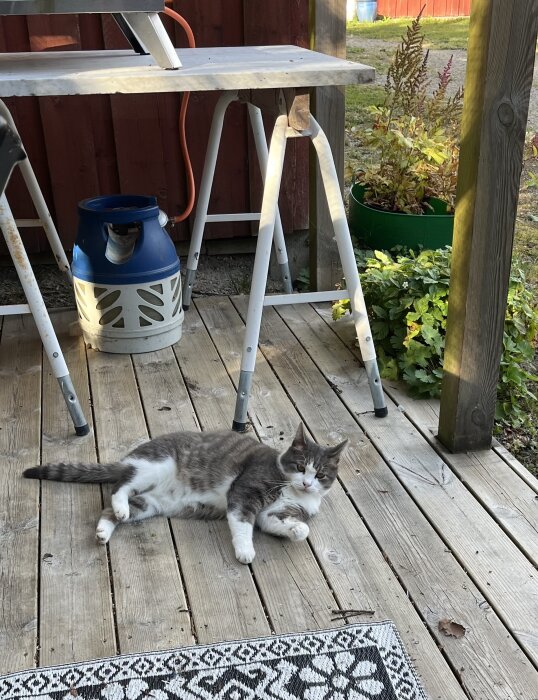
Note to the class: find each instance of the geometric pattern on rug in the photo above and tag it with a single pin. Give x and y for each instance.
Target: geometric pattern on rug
(355, 662)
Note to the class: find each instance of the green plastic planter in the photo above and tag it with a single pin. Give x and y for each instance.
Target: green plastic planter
(385, 230)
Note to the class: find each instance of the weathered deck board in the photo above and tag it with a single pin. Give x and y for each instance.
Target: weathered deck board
(222, 592)
(510, 500)
(351, 561)
(20, 416)
(290, 604)
(75, 591)
(434, 578)
(147, 588)
(381, 541)
(494, 561)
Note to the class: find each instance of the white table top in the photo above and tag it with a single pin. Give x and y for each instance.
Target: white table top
(223, 68)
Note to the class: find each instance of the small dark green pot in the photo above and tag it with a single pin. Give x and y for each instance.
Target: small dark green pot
(385, 230)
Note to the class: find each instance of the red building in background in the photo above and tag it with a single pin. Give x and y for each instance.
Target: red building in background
(434, 8)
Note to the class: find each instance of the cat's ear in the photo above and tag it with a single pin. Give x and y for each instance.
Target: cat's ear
(337, 451)
(299, 441)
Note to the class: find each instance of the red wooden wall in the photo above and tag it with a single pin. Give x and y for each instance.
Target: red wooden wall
(83, 146)
(434, 8)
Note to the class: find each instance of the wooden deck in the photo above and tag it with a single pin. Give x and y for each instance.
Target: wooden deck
(410, 532)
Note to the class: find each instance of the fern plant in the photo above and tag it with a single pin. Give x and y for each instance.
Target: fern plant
(415, 133)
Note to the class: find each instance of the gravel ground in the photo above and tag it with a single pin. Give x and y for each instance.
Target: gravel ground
(217, 274)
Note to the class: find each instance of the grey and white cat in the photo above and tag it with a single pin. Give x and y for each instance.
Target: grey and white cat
(213, 475)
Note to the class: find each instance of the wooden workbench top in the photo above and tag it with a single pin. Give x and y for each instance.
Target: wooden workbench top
(223, 68)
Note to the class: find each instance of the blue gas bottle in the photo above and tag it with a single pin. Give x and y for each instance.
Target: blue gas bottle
(120, 241)
(127, 275)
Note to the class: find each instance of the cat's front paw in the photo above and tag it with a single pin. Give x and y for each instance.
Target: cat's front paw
(299, 531)
(245, 554)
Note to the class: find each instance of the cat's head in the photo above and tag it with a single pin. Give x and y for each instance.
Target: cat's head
(310, 467)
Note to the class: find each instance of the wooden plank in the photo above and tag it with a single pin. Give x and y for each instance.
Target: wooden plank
(440, 8)
(75, 593)
(501, 53)
(66, 127)
(387, 8)
(20, 419)
(424, 411)
(400, 9)
(148, 596)
(14, 37)
(509, 499)
(224, 68)
(218, 23)
(493, 560)
(222, 594)
(414, 7)
(516, 465)
(328, 35)
(284, 23)
(280, 564)
(352, 564)
(429, 572)
(294, 592)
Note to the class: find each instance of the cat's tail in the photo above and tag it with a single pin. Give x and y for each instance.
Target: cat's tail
(88, 473)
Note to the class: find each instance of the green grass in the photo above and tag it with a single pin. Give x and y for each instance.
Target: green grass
(358, 99)
(440, 33)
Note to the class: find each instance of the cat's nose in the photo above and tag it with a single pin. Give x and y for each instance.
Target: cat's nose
(307, 484)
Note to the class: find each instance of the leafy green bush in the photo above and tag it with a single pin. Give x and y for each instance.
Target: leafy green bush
(407, 298)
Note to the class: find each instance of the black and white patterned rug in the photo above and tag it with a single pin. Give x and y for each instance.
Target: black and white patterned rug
(355, 662)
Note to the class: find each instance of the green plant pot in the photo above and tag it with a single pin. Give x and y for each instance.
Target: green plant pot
(385, 230)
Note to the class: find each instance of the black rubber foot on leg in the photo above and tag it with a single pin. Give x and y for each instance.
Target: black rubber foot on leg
(381, 412)
(81, 430)
(239, 427)
(186, 307)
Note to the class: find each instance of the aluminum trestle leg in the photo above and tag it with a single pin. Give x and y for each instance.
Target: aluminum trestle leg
(202, 217)
(258, 299)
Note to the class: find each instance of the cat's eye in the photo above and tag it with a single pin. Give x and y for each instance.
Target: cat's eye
(320, 476)
(300, 468)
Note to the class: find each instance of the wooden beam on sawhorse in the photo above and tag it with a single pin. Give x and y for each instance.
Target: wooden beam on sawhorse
(500, 64)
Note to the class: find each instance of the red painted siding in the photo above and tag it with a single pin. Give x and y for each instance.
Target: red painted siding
(434, 8)
(83, 146)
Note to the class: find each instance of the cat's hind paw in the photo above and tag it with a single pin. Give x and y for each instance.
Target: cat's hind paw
(104, 531)
(245, 555)
(299, 531)
(120, 506)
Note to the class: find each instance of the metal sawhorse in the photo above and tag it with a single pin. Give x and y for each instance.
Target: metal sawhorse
(11, 154)
(293, 120)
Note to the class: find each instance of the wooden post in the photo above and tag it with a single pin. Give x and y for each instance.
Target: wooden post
(328, 35)
(500, 63)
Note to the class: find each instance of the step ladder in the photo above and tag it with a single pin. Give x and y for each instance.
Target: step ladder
(12, 154)
(139, 20)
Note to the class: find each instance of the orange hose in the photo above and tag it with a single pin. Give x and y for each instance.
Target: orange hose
(191, 189)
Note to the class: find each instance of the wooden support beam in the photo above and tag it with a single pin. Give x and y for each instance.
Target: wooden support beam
(327, 35)
(500, 63)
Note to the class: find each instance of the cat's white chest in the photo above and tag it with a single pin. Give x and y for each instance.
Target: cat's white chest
(290, 498)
